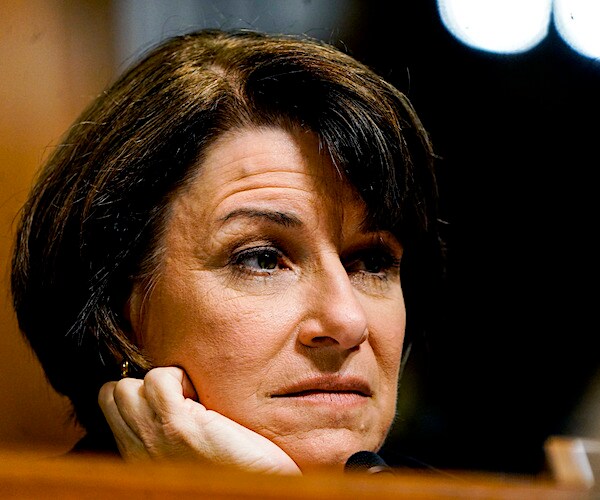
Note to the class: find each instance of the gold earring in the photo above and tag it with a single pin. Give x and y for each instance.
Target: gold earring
(125, 368)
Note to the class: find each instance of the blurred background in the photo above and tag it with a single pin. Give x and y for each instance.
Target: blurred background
(516, 354)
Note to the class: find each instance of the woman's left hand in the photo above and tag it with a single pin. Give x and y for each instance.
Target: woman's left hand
(160, 417)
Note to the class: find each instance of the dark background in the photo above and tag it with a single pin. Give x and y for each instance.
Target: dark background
(517, 345)
(518, 135)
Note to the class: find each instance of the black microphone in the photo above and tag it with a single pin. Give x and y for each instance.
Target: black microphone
(367, 462)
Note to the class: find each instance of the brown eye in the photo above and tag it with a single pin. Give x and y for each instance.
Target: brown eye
(259, 259)
(375, 261)
(266, 260)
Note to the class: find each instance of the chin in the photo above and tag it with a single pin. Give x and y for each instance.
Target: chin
(314, 454)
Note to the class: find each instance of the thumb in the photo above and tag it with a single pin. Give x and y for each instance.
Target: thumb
(189, 391)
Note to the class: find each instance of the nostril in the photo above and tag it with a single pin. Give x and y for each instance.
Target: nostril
(331, 341)
(324, 340)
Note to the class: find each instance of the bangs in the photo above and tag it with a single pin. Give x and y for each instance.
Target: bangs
(367, 127)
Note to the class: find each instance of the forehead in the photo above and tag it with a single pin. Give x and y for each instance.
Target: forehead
(243, 153)
(277, 174)
(262, 165)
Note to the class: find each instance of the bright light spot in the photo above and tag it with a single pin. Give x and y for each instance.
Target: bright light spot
(578, 22)
(503, 26)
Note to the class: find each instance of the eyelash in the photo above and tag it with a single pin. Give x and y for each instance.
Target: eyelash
(388, 265)
(256, 253)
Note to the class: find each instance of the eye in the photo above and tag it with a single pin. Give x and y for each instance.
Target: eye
(376, 261)
(262, 259)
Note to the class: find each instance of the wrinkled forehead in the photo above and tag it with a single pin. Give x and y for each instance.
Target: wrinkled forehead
(254, 149)
(272, 168)
(274, 157)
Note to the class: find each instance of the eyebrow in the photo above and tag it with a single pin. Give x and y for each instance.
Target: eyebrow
(281, 218)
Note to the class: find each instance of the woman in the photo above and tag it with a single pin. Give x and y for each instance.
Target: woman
(228, 219)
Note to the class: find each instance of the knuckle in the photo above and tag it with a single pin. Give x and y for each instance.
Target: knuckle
(154, 376)
(126, 388)
(106, 392)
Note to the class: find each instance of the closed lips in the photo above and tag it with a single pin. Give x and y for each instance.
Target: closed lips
(319, 385)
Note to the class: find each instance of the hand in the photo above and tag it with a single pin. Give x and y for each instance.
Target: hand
(160, 418)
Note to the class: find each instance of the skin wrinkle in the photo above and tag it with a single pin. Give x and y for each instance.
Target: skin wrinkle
(101, 222)
(273, 329)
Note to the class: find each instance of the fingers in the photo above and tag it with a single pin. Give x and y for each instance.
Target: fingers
(130, 399)
(129, 444)
(140, 412)
(166, 389)
(159, 417)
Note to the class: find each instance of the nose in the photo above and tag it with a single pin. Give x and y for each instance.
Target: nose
(334, 315)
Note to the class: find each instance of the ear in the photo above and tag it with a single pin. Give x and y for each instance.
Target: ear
(132, 312)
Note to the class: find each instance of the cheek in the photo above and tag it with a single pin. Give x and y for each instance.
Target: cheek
(224, 340)
(387, 323)
(235, 352)
(387, 344)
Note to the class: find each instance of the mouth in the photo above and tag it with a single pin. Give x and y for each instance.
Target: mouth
(337, 399)
(327, 389)
(312, 392)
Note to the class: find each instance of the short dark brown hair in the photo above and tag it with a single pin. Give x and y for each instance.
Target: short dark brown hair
(92, 224)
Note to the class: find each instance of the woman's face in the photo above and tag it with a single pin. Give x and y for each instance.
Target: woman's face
(282, 306)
